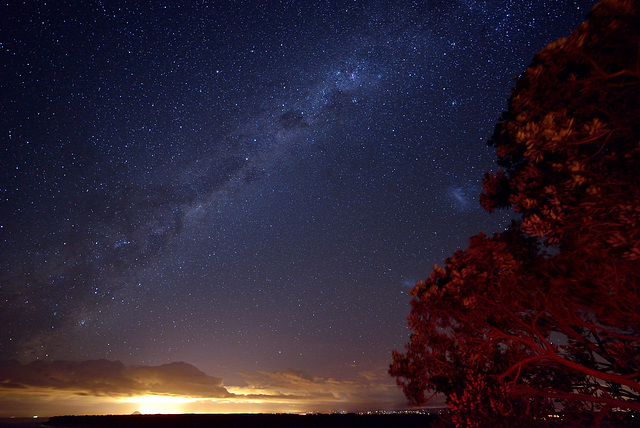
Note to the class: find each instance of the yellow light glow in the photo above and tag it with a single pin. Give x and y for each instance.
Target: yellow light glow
(159, 399)
(159, 404)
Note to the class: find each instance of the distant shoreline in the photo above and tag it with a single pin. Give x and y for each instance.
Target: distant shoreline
(350, 420)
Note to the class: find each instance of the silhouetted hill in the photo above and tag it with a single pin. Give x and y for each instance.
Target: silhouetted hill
(246, 421)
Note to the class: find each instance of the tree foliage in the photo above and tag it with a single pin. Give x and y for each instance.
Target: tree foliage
(546, 315)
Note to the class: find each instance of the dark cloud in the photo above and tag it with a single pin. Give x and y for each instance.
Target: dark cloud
(293, 120)
(110, 378)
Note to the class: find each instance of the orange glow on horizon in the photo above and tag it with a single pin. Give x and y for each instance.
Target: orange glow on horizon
(157, 404)
(265, 392)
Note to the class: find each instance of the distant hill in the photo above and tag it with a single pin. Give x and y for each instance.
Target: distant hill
(247, 421)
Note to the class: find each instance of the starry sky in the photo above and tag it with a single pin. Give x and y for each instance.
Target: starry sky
(242, 193)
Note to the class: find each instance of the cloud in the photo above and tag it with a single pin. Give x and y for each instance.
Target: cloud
(102, 386)
(369, 390)
(100, 378)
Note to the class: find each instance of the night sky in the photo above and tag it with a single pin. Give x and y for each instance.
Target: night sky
(250, 188)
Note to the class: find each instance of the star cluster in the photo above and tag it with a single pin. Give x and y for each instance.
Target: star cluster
(244, 186)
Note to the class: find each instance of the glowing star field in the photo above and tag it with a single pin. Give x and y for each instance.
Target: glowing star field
(221, 206)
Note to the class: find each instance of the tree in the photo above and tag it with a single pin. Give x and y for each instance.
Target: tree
(547, 314)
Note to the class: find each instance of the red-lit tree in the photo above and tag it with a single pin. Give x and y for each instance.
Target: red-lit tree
(547, 315)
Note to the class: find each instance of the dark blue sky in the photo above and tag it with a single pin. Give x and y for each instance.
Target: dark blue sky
(245, 186)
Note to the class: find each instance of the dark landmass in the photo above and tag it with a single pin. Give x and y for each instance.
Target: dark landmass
(247, 421)
(21, 422)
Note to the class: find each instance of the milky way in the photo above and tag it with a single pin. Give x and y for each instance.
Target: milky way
(245, 187)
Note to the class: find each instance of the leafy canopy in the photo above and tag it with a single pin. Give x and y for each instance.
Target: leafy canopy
(546, 316)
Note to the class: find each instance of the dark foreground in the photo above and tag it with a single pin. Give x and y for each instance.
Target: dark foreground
(246, 421)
